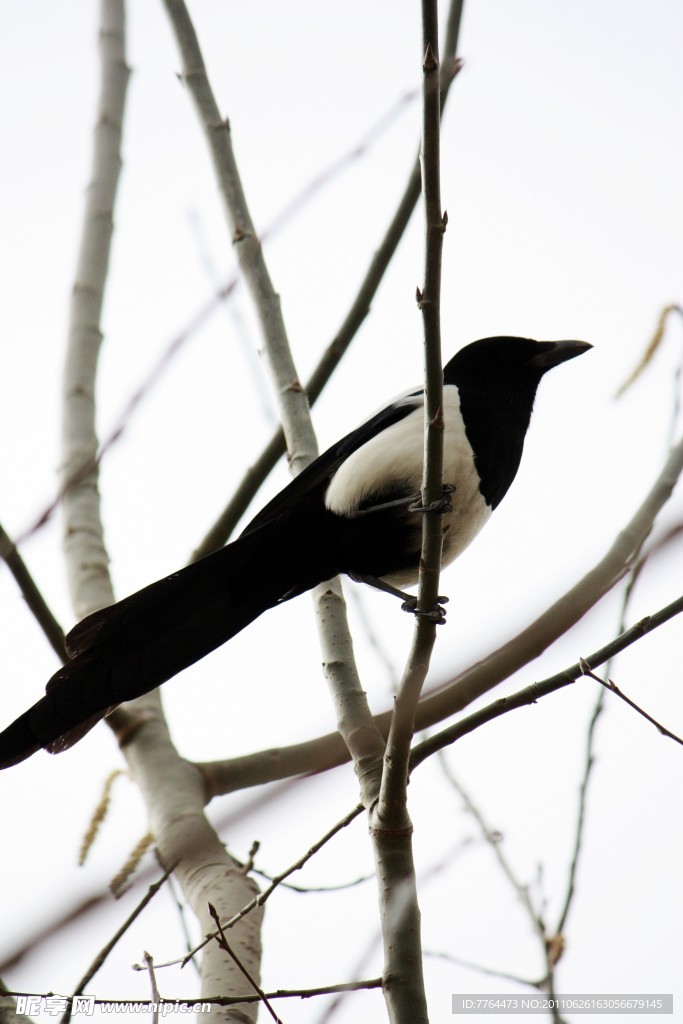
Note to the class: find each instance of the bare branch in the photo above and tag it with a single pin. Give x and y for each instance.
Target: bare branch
(391, 810)
(589, 763)
(8, 1007)
(355, 722)
(490, 972)
(106, 950)
(590, 739)
(294, 405)
(610, 685)
(252, 769)
(225, 945)
(148, 961)
(564, 613)
(223, 292)
(328, 751)
(390, 824)
(84, 549)
(282, 993)
(260, 899)
(360, 308)
(297, 425)
(32, 595)
(531, 694)
(495, 841)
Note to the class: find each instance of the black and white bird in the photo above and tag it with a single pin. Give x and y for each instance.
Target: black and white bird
(354, 510)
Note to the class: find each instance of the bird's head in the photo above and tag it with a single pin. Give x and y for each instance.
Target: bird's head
(504, 373)
(510, 362)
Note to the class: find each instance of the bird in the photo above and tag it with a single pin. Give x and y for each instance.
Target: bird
(354, 510)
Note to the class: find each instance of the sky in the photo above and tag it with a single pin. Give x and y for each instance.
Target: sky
(561, 176)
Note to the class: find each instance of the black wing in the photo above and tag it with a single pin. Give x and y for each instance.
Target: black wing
(318, 474)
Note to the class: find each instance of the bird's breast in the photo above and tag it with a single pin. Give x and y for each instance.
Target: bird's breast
(389, 466)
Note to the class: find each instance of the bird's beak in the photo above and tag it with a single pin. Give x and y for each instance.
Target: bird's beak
(555, 352)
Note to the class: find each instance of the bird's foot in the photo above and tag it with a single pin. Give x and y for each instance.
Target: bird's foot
(442, 504)
(408, 601)
(383, 506)
(436, 615)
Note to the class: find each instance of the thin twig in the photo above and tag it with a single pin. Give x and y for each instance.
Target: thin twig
(394, 780)
(182, 917)
(225, 945)
(589, 763)
(490, 972)
(531, 694)
(90, 464)
(258, 901)
(148, 961)
(610, 685)
(34, 599)
(494, 840)
(589, 760)
(106, 950)
(390, 824)
(549, 944)
(281, 993)
(304, 890)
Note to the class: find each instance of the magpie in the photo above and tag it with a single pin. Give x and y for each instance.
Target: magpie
(354, 510)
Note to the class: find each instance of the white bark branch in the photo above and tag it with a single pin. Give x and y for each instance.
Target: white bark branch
(174, 793)
(296, 422)
(295, 413)
(84, 549)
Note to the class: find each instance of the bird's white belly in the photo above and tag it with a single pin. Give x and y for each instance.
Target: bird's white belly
(393, 461)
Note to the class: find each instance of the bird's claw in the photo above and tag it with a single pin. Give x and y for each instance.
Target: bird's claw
(436, 615)
(442, 504)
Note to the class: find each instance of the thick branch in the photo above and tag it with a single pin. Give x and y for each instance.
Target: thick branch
(360, 308)
(295, 416)
(85, 553)
(355, 721)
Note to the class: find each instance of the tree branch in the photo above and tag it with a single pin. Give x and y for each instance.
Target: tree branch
(84, 549)
(610, 685)
(104, 953)
(531, 694)
(360, 308)
(325, 752)
(32, 595)
(294, 405)
(390, 824)
(563, 613)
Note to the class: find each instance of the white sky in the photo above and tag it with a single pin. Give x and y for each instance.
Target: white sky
(562, 179)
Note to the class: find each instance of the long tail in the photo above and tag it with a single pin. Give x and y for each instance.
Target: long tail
(130, 648)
